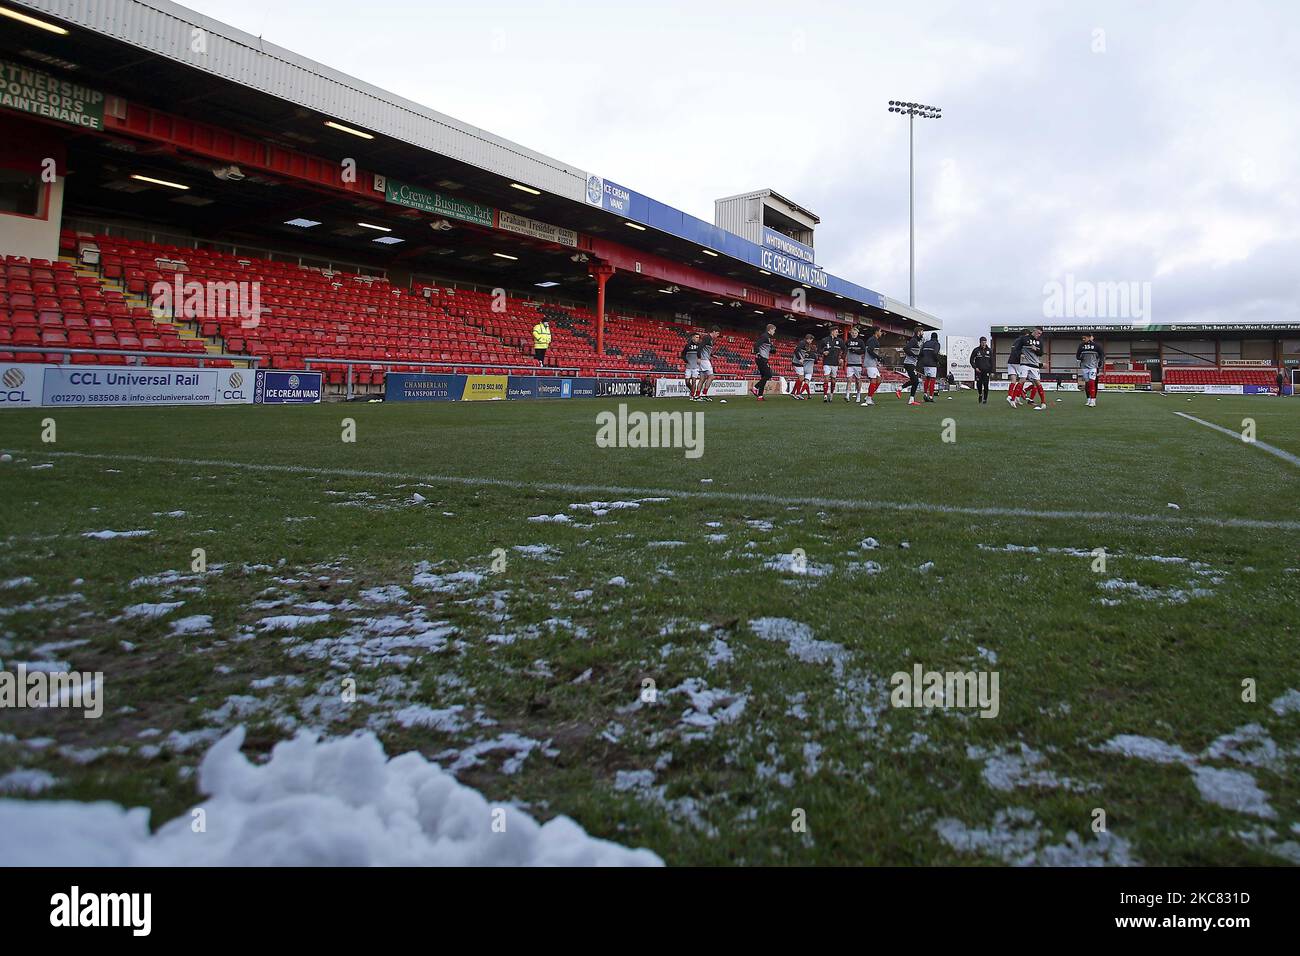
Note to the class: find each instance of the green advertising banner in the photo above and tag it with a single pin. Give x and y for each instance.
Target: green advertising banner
(404, 194)
(37, 93)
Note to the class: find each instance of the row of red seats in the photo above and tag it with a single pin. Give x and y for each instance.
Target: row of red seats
(310, 312)
(1220, 376)
(361, 318)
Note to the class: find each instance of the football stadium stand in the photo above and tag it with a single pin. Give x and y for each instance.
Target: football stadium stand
(46, 305)
(360, 233)
(309, 314)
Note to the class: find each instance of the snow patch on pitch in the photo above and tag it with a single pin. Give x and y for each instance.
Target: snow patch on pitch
(709, 708)
(797, 565)
(1232, 789)
(1143, 592)
(800, 643)
(336, 802)
(1016, 837)
(1011, 768)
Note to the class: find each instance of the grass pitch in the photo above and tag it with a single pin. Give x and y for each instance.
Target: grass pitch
(696, 656)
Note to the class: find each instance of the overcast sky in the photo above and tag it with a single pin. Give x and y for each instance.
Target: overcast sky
(1152, 142)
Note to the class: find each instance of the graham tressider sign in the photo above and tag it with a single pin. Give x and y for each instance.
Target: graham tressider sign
(37, 93)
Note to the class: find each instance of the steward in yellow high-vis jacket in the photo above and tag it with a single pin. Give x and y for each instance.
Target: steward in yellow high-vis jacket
(541, 340)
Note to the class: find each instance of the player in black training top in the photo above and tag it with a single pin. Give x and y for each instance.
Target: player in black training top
(855, 352)
(929, 362)
(1030, 348)
(831, 350)
(802, 359)
(1091, 359)
(1013, 374)
(691, 363)
(708, 342)
(912, 355)
(763, 349)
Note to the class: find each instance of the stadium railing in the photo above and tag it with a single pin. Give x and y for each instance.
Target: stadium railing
(184, 359)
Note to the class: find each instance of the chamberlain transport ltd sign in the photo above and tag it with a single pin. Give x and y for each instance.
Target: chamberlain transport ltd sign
(426, 200)
(37, 93)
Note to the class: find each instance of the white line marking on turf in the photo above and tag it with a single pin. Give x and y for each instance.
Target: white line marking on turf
(845, 504)
(1272, 450)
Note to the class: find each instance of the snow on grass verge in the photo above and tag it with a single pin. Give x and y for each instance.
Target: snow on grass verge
(1015, 836)
(799, 641)
(314, 803)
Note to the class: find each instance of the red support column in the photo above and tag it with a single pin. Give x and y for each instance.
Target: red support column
(600, 271)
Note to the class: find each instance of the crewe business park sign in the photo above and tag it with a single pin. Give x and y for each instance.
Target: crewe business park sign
(452, 207)
(426, 200)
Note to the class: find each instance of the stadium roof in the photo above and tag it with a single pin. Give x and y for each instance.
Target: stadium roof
(195, 59)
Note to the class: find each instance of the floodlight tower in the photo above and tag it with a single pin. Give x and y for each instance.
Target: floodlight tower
(912, 111)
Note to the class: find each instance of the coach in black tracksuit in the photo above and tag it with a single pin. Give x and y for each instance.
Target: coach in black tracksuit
(981, 360)
(763, 352)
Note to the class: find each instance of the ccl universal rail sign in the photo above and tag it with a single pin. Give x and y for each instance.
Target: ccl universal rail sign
(81, 386)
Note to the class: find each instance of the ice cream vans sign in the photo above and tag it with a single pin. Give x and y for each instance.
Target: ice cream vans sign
(287, 388)
(609, 196)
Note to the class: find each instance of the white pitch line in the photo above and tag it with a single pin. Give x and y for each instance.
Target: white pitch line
(844, 504)
(1262, 446)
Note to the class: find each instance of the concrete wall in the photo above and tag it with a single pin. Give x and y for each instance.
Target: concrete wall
(34, 238)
